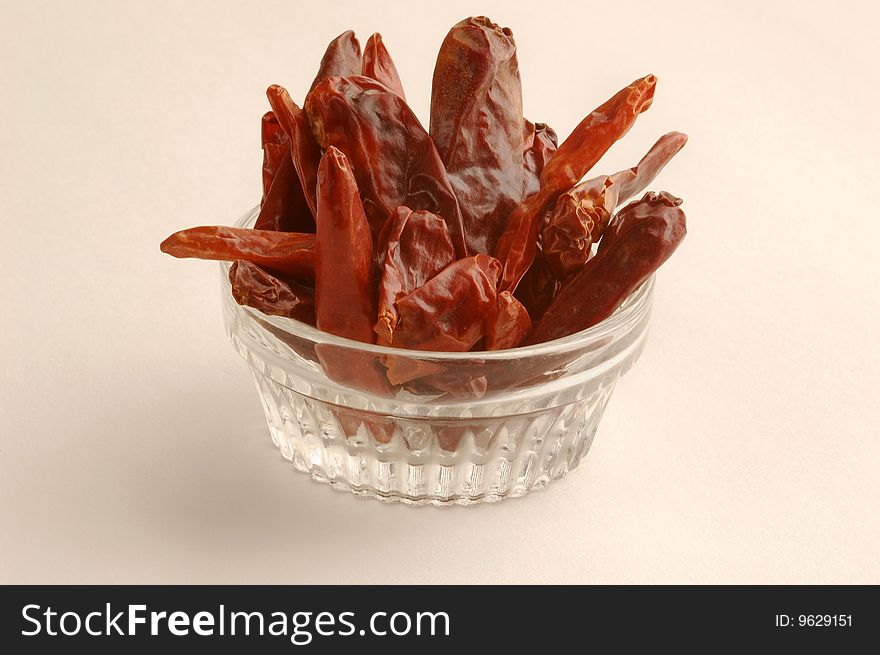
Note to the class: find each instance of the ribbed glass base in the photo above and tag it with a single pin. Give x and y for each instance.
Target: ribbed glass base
(427, 461)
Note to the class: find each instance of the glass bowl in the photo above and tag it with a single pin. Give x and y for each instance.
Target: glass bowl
(458, 428)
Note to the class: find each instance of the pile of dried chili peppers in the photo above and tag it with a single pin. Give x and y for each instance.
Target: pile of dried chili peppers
(476, 234)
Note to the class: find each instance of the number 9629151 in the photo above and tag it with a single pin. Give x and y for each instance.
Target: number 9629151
(825, 620)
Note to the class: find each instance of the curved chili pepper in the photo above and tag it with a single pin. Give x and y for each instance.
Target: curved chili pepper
(539, 144)
(591, 139)
(290, 253)
(449, 311)
(342, 58)
(507, 324)
(304, 152)
(379, 65)
(394, 160)
(476, 124)
(647, 232)
(580, 215)
(285, 209)
(412, 248)
(634, 180)
(254, 287)
(275, 144)
(596, 133)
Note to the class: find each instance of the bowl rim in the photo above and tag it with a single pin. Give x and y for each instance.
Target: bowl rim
(633, 306)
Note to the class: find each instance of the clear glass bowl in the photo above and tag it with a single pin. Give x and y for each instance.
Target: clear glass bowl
(465, 428)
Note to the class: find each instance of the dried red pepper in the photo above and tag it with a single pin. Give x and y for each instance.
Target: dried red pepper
(538, 287)
(634, 180)
(345, 289)
(344, 285)
(390, 201)
(289, 253)
(275, 146)
(634, 213)
(304, 152)
(575, 222)
(508, 323)
(379, 65)
(580, 215)
(412, 248)
(255, 287)
(596, 133)
(539, 144)
(476, 124)
(342, 58)
(646, 233)
(285, 208)
(449, 311)
(394, 160)
(591, 139)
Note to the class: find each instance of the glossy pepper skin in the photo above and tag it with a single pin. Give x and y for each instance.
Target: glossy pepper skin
(449, 311)
(634, 180)
(647, 232)
(342, 58)
(539, 144)
(591, 139)
(345, 289)
(635, 213)
(304, 152)
(580, 215)
(413, 247)
(394, 160)
(289, 253)
(275, 146)
(255, 287)
(344, 283)
(575, 222)
(378, 65)
(508, 323)
(284, 208)
(477, 126)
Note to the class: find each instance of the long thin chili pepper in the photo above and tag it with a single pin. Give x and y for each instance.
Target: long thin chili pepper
(275, 144)
(290, 253)
(304, 152)
(345, 290)
(591, 139)
(344, 285)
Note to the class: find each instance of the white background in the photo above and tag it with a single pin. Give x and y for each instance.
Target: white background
(743, 447)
